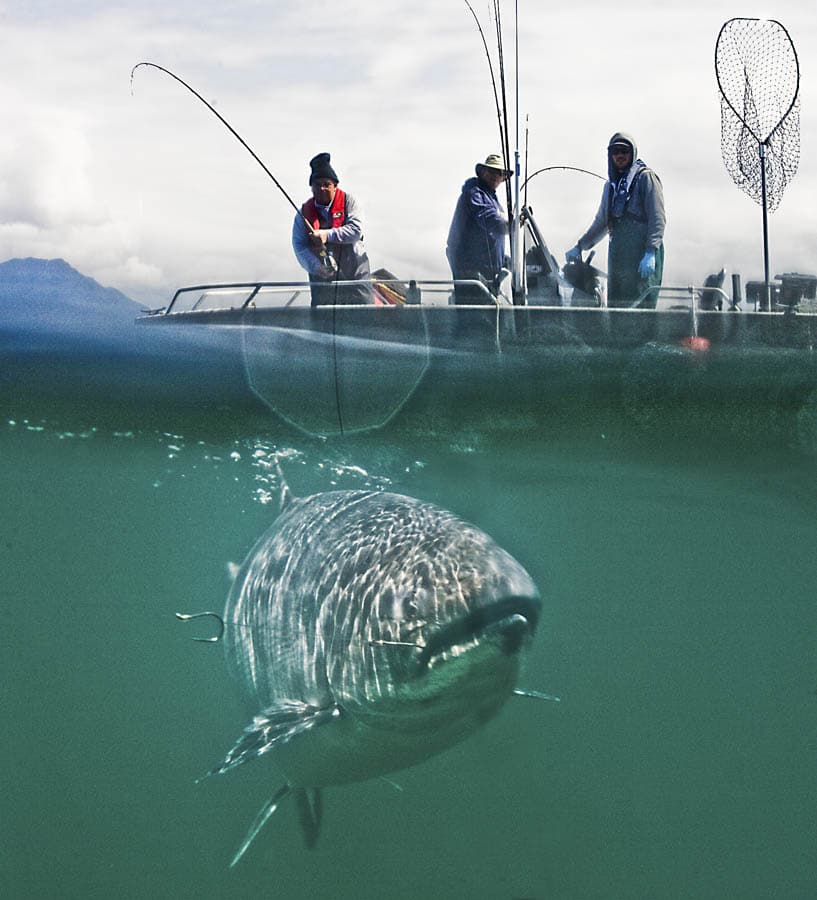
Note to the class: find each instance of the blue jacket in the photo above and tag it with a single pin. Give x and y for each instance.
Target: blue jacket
(476, 239)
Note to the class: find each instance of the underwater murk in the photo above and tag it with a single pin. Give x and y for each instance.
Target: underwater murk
(678, 627)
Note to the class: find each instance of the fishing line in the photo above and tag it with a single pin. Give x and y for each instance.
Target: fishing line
(335, 355)
(324, 254)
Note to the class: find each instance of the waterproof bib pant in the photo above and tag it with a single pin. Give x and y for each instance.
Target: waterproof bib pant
(626, 249)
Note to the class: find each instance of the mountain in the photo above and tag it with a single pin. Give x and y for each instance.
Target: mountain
(68, 343)
(48, 296)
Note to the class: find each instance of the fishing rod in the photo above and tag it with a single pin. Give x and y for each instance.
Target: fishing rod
(326, 258)
(527, 155)
(512, 190)
(328, 261)
(517, 238)
(506, 148)
(565, 168)
(502, 141)
(502, 119)
(235, 134)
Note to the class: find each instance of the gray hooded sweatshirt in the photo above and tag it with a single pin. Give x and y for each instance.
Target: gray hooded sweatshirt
(645, 202)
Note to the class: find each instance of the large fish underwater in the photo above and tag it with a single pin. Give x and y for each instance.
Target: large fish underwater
(369, 631)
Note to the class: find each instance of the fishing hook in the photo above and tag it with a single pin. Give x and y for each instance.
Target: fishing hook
(186, 617)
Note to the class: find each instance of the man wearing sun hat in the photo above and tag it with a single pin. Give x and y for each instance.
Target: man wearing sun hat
(476, 239)
(632, 213)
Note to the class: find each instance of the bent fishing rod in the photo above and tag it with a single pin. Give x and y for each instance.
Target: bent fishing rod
(502, 137)
(325, 257)
(564, 168)
(499, 86)
(502, 84)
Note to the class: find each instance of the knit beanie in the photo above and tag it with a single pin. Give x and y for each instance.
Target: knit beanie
(321, 168)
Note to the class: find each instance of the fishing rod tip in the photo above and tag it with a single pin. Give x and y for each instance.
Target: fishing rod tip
(143, 63)
(132, 73)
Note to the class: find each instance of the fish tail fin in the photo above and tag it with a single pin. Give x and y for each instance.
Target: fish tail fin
(260, 821)
(310, 812)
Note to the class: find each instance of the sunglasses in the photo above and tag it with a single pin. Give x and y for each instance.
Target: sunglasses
(620, 151)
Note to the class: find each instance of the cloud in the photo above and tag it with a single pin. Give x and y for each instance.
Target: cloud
(149, 191)
(45, 172)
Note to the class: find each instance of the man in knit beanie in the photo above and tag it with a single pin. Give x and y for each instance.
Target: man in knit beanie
(332, 251)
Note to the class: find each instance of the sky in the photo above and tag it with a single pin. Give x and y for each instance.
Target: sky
(142, 188)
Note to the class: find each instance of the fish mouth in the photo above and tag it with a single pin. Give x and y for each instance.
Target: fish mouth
(511, 619)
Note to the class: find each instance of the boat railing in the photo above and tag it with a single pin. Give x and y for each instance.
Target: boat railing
(795, 294)
(203, 298)
(238, 296)
(669, 296)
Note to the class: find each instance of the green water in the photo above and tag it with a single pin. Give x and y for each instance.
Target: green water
(679, 629)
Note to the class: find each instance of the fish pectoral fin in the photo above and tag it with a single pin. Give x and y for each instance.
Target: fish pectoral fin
(274, 726)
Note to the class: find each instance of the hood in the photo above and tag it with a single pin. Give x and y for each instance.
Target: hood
(471, 182)
(617, 138)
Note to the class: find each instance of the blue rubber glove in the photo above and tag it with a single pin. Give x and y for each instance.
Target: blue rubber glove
(573, 254)
(647, 265)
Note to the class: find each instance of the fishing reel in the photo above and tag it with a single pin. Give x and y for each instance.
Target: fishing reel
(329, 265)
(587, 279)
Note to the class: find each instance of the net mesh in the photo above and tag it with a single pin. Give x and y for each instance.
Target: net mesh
(759, 80)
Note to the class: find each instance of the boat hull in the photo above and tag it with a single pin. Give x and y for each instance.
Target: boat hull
(335, 370)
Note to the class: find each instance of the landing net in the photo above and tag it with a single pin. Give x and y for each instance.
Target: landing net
(759, 81)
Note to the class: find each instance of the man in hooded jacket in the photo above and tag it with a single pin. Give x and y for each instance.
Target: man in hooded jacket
(632, 213)
(476, 238)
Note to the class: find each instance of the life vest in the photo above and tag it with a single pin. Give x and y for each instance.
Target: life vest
(618, 204)
(337, 211)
